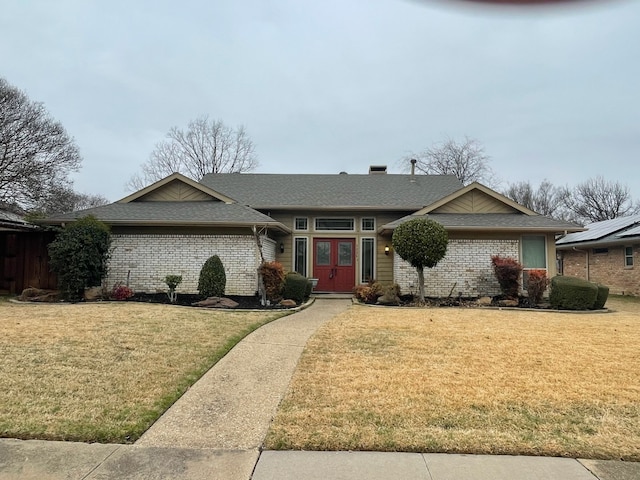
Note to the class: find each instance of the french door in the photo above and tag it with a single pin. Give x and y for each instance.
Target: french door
(334, 264)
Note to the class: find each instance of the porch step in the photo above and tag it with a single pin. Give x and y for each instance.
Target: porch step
(332, 296)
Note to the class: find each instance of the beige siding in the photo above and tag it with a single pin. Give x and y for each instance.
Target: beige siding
(176, 191)
(383, 263)
(475, 202)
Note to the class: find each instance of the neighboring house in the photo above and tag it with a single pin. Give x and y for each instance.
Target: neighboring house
(606, 252)
(24, 260)
(336, 228)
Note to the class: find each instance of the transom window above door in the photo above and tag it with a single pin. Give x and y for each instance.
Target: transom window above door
(335, 224)
(301, 223)
(368, 224)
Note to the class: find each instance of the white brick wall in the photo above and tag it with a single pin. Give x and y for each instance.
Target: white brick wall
(467, 264)
(148, 259)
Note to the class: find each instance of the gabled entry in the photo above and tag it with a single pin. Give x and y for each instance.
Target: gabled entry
(334, 264)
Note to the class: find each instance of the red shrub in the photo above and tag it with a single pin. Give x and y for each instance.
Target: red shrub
(507, 271)
(121, 292)
(273, 277)
(537, 283)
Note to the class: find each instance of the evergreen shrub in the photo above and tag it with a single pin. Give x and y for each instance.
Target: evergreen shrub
(572, 293)
(212, 281)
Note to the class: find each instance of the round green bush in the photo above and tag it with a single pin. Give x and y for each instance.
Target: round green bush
(213, 280)
(422, 243)
(295, 287)
(572, 293)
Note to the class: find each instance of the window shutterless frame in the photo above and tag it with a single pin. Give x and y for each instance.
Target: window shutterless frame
(301, 255)
(334, 224)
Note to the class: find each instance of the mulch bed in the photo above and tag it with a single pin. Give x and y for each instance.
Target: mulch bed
(496, 301)
(187, 300)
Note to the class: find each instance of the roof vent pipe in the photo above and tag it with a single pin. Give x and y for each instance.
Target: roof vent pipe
(413, 166)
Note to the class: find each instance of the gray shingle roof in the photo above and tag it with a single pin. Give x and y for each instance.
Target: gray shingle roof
(618, 230)
(174, 213)
(13, 221)
(382, 191)
(494, 221)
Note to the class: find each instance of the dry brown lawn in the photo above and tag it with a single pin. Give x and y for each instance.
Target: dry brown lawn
(469, 381)
(106, 371)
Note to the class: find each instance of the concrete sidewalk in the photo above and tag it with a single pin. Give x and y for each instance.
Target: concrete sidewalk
(39, 460)
(434, 466)
(215, 431)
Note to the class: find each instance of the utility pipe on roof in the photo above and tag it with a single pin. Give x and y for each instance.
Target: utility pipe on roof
(586, 252)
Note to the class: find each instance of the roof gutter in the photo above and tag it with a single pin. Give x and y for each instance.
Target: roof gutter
(462, 228)
(160, 223)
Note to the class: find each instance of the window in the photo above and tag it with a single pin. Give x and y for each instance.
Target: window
(368, 224)
(323, 253)
(600, 251)
(628, 256)
(301, 223)
(345, 254)
(534, 252)
(341, 224)
(367, 260)
(300, 255)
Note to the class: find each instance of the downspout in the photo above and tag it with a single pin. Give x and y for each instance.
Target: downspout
(586, 252)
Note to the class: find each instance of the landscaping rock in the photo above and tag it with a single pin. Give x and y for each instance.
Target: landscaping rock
(39, 295)
(287, 302)
(388, 299)
(508, 303)
(92, 294)
(216, 302)
(484, 301)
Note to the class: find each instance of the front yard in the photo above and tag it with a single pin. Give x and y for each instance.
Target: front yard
(105, 372)
(469, 381)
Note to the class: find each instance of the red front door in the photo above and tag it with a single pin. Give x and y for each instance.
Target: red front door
(334, 264)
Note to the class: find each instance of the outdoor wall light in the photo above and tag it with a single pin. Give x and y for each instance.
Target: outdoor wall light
(386, 249)
(281, 247)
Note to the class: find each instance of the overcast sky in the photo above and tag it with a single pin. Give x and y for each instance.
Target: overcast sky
(334, 85)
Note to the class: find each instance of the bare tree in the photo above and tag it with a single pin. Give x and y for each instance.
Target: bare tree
(466, 160)
(598, 199)
(36, 153)
(206, 146)
(63, 199)
(546, 200)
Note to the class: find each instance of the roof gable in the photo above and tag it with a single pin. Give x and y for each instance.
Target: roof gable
(176, 188)
(475, 198)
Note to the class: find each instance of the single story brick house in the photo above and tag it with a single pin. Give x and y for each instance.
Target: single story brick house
(606, 252)
(336, 228)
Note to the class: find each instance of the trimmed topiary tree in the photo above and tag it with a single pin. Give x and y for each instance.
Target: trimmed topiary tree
(422, 243)
(80, 256)
(212, 281)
